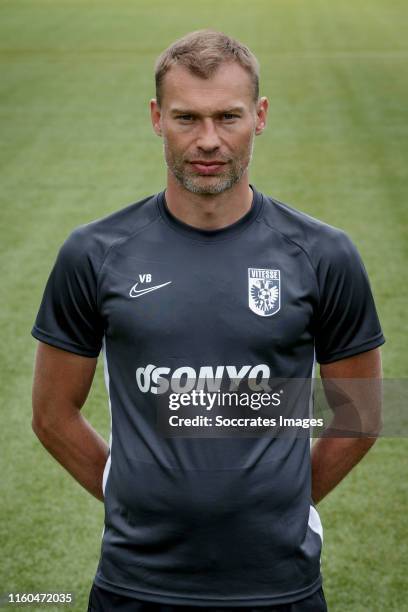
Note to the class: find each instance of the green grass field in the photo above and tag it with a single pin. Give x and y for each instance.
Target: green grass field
(76, 144)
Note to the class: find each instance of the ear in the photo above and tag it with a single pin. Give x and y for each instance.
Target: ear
(155, 114)
(261, 112)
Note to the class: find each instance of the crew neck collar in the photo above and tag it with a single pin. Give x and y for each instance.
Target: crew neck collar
(211, 235)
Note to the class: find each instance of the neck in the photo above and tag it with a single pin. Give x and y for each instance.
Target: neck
(209, 211)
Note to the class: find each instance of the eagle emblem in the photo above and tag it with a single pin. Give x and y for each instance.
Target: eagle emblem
(264, 291)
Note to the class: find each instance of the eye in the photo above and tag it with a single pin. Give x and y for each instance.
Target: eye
(229, 117)
(185, 118)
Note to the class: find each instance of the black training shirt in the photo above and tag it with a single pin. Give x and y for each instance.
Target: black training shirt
(199, 520)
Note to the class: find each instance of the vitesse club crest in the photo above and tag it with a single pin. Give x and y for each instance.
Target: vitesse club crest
(264, 291)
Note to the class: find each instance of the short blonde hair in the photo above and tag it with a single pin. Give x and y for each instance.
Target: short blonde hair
(202, 52)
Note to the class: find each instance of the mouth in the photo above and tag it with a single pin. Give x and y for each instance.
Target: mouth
(207, 168)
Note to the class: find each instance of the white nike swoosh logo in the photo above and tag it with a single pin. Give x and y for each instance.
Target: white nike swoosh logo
(134, 293)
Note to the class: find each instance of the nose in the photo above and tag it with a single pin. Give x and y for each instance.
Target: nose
(208, 139)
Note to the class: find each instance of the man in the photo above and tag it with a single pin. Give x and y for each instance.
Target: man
(209, 282)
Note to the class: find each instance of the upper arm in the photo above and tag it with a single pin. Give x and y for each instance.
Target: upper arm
(353, 391)
(364, 365)
(70, 331)
(62, 381)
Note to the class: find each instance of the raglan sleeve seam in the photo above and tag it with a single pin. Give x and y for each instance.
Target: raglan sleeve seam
(115, 243)
(304, 251)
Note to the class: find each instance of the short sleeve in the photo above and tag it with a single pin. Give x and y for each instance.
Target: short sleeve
(347, 322)
(68, 317)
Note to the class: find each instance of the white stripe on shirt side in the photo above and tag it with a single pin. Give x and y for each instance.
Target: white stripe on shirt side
(311, 399)
(107, 467)
(315, 523)
(107, 380)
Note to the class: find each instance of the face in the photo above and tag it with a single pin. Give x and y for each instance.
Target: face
(208, 126)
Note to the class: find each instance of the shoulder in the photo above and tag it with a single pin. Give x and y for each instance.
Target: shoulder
(93, 240)
(320, 241)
